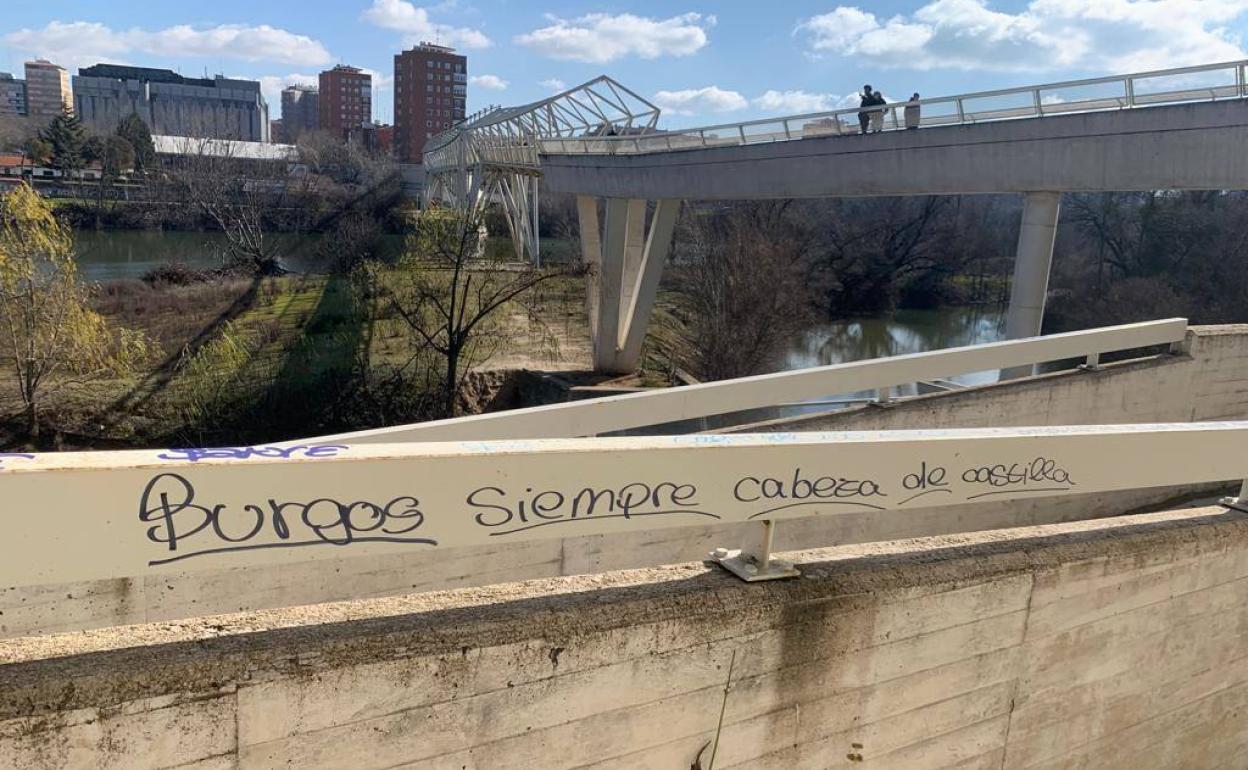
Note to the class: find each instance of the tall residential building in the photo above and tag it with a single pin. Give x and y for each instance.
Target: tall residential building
(47, 90)
(218, 107)
(430, 89)
(12, 95)
(299, 111)
(345, 101)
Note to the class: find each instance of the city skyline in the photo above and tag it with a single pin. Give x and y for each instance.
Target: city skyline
(700, 62)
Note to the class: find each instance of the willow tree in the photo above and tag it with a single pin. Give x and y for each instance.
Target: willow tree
(49, 336)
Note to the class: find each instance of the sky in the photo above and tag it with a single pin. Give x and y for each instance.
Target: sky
(702, 62)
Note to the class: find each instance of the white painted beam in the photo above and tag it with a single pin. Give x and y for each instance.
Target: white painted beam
(72, 517)
(614, 413)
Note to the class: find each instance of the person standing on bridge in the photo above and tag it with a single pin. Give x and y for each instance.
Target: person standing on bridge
(912, 112)
(877, 115)
(865, 100)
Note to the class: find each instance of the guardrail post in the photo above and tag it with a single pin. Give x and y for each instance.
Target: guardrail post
(753, 562)
(961, 112)
(883, 396)
(1035, 98)
(1093, 363)
(1130, 85)
(1239, 503)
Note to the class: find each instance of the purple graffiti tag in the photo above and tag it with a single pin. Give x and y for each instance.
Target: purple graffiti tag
(13, 455)
(247, 452)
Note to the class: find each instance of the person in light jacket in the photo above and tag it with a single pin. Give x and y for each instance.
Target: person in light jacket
(877, 115)
(912, 112)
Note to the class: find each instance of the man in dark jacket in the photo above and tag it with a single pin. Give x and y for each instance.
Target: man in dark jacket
(865, 100)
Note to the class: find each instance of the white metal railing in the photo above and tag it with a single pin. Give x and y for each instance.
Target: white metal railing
(636, 410)
(103, 515)
(1128, 91)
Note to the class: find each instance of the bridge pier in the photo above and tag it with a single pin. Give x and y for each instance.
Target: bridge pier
(625, 261)
(1032, 264)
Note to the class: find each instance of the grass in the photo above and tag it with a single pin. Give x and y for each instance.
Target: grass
(297, 345)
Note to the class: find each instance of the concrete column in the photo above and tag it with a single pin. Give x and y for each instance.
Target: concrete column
(625, 264)
(1031, 270)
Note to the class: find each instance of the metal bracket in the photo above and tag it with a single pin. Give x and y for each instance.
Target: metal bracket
(1239, 503)
(752, 562)
(1093, 364)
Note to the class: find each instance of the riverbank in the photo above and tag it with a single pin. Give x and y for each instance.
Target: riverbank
(258, 360)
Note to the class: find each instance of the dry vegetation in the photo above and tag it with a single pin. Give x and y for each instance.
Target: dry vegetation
(250, 360)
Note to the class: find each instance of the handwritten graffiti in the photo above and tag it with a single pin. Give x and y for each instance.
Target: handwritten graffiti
(247, 452)
(1017, 477)
(189, 529)
(182, 523)
(496, 509)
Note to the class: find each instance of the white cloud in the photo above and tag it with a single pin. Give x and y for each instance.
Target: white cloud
(489, 82)
(80, 43)
(416, 26)
(799, 102)
(1106, 35)
(693, 101)
(553, 84)
(598, 38)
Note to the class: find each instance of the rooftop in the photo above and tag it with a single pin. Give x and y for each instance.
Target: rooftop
(222, 148)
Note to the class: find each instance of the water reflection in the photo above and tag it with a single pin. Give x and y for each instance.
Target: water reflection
(906, 331)
(116, 254)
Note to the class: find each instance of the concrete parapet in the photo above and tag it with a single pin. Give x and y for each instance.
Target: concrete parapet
(1097, 644)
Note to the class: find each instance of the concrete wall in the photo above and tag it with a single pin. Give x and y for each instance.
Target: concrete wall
(1211, 383)
(1188, 146)
(1097, 645)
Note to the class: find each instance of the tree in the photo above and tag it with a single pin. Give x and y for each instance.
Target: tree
(139, 137)
(115, 156)
(38, 150)
(457, 295)
(235, 194)
(742, 290)
(46, 326)
(67, 140)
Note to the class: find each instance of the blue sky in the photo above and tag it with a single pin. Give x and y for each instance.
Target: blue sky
(704, 62)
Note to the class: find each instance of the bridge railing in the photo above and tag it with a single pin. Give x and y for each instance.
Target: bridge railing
(613, 414)
(1211, 82)
(75, 517)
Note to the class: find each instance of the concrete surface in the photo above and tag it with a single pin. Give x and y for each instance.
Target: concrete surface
(1095, 645)
(1188, 146)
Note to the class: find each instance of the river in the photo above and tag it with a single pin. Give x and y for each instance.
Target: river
(904, 331)
(114, 255)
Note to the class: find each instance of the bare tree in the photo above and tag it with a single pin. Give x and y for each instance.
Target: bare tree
(239, 194)
(741, 290)
(457, 296)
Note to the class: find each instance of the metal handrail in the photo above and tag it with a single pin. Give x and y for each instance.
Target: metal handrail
(1236, 88)
(636, 410)
(269, 505)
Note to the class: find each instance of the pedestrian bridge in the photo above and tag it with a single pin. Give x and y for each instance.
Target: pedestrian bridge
(1174, 129)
